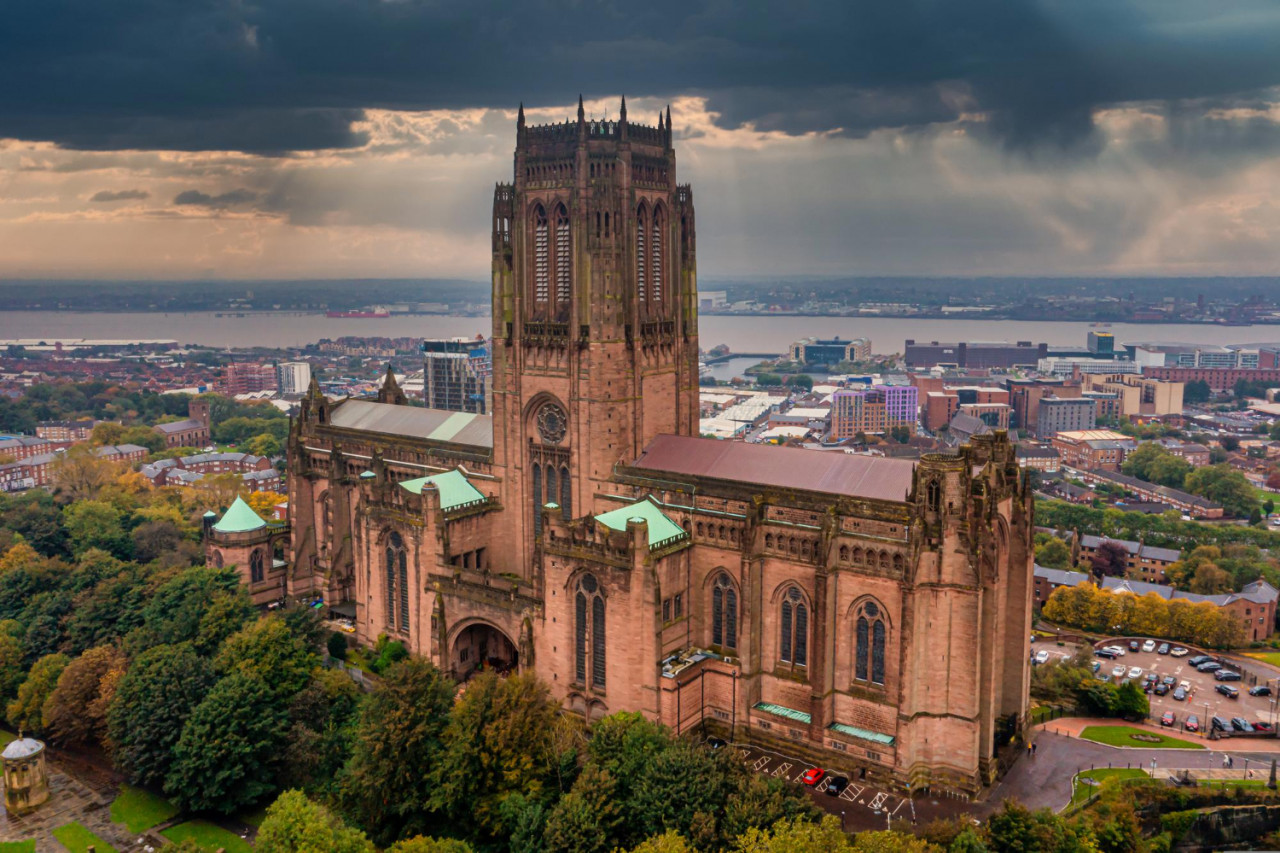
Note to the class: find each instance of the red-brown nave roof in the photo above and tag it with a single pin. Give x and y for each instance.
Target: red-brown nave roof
(831, 472)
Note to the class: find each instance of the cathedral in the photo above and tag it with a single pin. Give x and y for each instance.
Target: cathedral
(869, 613)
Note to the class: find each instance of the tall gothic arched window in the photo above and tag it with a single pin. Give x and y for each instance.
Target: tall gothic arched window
(255, 567)
(642, 277)
(869, 643)
(397, 574)
(655, 247)
(589, 632)
(564, 257)
(541, 259)
(551, 484)
(537, 498)
(724, 613)
(794, 647)
(564, 492)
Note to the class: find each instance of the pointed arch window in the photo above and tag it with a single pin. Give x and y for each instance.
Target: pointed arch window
(655, 266)
(589, 632)
(564, 257)
(397, 577)
(551, 484)
(724, 613)
(564, 492)
(794, 646)
(870, 637)
(641, 254)
(537, 498)
(541, 259)
(255, 567)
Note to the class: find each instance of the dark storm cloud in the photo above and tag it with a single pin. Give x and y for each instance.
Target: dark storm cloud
(281, 75)
(120, 195)
(228, 199)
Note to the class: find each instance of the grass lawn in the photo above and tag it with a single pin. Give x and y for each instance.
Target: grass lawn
(1124, 736)
(76, 838)
(140, 810)
(1081, 792)
(17, 847)
(6, 737)
(208, 835)
(1232, 783)
(1272, 658)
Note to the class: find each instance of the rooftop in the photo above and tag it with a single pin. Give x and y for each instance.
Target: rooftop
(412, 422)
(661, 528)
(454, 488)
(239, 518)
(832, 472)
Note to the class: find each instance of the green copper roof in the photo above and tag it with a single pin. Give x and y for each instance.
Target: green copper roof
(240, 518)
(454, 489)
(781, 711)
(367, 475)
(854, 731)
(661, 529)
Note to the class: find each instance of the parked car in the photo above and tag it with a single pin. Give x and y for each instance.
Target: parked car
(1163, 649)
(813, 776)
(1260, 690)
(1168, 718)
(836, 786)
(1199, 659)
(1226, 675)
(1161, 689)
(1228, 691)
(1169, 679)
(1148, 686)
(1117, 671)
(1149, 646)
(1219, 724)
(1042, 656)
(1133, 645)
(1180, 695)
(1119, 650)
(1152, 677)
(1097, 665)
(1104, 676)
(1209, 666)
(1135, 672)
(1179, 652)
(1191, 723)
(1104, 653)
(1185, 685)
(1240, 724)
(1262, 726)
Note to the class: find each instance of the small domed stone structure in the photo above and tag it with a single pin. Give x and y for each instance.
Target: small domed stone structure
(26, 779)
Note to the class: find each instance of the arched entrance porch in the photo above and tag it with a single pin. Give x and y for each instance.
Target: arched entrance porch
(481, 645)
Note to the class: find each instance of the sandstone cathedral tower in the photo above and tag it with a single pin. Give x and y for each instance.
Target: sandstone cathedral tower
(870, 612)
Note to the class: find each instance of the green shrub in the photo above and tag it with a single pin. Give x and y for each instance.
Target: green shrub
(337, 646)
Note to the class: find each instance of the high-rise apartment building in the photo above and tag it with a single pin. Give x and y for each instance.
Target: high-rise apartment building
(243, 378)
(457, 374)
(874, 410)
(1065, 415)
(293, 377)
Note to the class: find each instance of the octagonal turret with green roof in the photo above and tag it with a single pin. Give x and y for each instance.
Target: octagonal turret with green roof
(239, 518)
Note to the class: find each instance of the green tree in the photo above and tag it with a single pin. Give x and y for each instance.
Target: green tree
(27, 710)
(802, 381)
(265, 444)
(1053, 553)
(498, 743)
(768, 379)
(229, 747)
(295, 824)
(587, 818)
(96, 524)
(1224, 485)
(269, 651)
(11, 659)
(151, 705)
(201, 605)
(324, 716)
(387, 788)
(423, 844)
(1131, 703)
(1196, 391)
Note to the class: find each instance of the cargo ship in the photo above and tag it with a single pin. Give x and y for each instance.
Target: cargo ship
(372, 313)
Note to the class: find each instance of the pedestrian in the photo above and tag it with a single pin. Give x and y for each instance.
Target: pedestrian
(1034, 747)
(1028, 750)
(1224, 761)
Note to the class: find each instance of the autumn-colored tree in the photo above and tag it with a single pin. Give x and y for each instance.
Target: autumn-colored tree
(217, 491)
(80, 473)
(264, 502)
(76, 711)
(27, 710)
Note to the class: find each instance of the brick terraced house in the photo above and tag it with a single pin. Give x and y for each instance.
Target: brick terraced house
(868, 611)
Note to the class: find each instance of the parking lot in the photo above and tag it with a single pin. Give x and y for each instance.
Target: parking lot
(861, 806)
(1203, 699)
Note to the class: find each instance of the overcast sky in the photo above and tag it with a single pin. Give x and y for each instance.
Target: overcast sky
(306, 138)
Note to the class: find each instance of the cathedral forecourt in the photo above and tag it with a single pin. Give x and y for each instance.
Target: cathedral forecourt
(867, 613)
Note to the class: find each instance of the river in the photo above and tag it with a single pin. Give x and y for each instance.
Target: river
(742, 334)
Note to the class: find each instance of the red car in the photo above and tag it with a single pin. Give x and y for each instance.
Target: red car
(814, 776)
(1168, 719)
(1192, 723)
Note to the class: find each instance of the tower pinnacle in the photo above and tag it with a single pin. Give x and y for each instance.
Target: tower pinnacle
(582, 116)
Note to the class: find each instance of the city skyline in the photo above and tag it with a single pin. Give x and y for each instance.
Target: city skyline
(260, 141)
